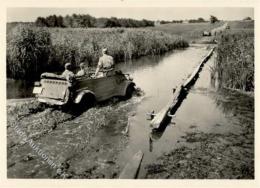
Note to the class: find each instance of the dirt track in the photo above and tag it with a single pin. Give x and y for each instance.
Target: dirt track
(73, 142)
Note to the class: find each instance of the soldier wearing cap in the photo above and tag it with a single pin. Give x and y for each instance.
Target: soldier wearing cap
(68, 74)
(105, 62)
(82, 71)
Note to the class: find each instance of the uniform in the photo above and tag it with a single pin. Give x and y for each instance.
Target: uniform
(68, 74)
(82, 72)
(106, 62)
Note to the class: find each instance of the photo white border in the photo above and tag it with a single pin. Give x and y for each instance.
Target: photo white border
(86, 183)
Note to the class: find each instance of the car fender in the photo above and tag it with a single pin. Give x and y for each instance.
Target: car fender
(81, 94)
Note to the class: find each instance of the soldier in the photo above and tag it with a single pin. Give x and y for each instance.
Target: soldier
(82, 71)
(105, 62)
(68, 74)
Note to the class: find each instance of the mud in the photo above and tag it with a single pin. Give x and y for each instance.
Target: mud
(78, 145)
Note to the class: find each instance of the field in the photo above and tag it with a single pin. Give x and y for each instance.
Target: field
(235, 61)
(189, 31)
(33, 50)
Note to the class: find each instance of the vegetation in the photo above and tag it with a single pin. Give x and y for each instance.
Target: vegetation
(33, 50)
(27, 52)
(247, 19)
(235, 60)
(189, 31)
(199, 20)
(86, 21)
(213, 19)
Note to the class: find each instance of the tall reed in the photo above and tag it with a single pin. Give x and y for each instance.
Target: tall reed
(235, 61)
(54, 47)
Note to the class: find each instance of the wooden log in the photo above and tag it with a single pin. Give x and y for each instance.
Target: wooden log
(131, 169)
(162, 116)
(197, 69)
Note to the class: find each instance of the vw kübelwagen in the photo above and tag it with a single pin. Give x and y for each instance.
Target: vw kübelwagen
(56, 90)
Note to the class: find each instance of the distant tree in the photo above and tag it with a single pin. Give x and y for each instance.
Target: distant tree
(86, 20)
(40, 22)
(247, 18)
(51, 21)
(165, 22)
(67, 21)
(201, 20)
(59, 21)
(177, 21)
(101, 22)
(213, 19)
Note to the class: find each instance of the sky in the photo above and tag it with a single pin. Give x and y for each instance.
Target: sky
(171, 13)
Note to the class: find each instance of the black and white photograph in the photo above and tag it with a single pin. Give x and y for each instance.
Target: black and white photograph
(130, 93)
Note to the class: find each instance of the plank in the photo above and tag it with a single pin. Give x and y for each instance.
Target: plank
(131, 169)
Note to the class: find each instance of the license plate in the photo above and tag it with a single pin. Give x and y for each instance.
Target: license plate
(37, 90)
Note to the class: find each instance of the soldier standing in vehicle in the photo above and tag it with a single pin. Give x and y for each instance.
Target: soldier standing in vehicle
(105, 62)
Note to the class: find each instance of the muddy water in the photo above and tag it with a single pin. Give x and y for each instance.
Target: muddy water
(157, 77)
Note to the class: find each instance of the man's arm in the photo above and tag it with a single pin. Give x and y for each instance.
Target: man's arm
(98, 67)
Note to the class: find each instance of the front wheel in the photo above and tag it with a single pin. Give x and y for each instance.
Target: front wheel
(86, 102)
(129, 91)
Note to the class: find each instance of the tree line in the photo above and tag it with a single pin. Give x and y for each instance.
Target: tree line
(212, 19)
(87, 21)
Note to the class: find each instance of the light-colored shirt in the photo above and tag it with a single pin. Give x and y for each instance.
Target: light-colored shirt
(106, 62)
(81, 72)
(68, 74)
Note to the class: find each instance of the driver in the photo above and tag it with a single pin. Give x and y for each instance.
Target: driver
(105, 62)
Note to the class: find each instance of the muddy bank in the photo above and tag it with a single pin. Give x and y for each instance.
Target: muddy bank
(81, 146)
(214, 154)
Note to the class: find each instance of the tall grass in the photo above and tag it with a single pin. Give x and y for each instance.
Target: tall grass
(27, 52)
(235, 60)
(76, 45)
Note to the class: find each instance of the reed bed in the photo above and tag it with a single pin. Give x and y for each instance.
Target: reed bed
(234, 64)
(33, 50)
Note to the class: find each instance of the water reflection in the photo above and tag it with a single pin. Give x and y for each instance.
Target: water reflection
(19, 89)
(233, 102)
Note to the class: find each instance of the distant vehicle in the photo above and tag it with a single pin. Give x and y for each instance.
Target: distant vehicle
(227, 27)
(56, 90)
(206, 33)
